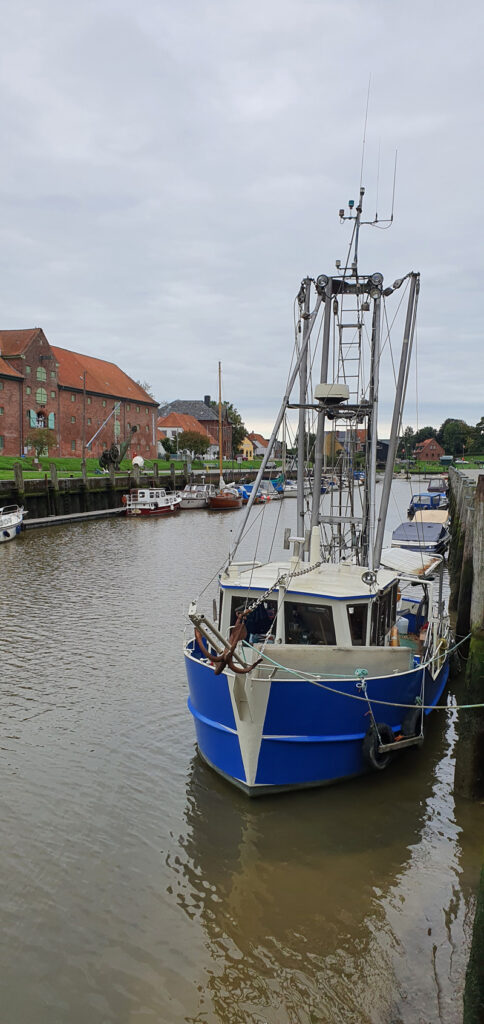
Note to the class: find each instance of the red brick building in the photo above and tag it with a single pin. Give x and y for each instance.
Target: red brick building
(428, 451)
(79, 397)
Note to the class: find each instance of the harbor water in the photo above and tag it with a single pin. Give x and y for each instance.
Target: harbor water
(138, 886)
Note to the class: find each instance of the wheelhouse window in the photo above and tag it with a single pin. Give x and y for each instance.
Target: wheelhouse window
(309, 623)
(357, 618)
(383, 615)
(259, 622)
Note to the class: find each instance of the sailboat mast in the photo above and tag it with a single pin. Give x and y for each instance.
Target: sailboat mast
(220, 455)
(397, 410)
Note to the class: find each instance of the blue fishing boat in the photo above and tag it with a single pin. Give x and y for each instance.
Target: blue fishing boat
(305, 675)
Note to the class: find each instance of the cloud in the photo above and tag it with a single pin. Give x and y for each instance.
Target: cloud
(171, 173)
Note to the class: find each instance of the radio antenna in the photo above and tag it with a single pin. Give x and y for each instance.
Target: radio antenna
(394, 182)
(364, 131)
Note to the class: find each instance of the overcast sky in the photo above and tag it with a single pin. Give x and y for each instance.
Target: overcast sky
(170, 172)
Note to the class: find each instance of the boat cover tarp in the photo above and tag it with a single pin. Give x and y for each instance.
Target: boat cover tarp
(410, 563)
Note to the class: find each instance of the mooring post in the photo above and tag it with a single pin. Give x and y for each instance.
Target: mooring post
(55, 488)
(469, 763)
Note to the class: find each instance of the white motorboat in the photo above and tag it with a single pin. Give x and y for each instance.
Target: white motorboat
(11, 519)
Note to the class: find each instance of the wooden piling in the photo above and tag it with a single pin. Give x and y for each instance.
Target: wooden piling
(469, 766)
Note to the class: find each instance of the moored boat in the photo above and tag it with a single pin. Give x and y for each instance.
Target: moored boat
(427, 502)
(226, 498)
(150, 501)
(300, 679)
(196, 495)
(11, 519)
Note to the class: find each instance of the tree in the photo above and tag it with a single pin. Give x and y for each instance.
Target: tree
(146, 387)
(407, 441)
(169, 444)
(41, 439)
(424, 434)
(239, 430)
(194, 442)
(455, 436)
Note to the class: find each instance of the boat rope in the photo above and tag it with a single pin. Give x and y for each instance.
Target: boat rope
(361, 674)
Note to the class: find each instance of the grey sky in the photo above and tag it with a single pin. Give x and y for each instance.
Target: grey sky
(171, 171)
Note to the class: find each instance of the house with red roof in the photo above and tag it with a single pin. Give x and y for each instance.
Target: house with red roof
(176, 423)
(89, 403)
(428, 451)
(259, 444)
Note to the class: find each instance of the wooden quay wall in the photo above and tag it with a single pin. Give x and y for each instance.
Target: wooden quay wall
(53, 496)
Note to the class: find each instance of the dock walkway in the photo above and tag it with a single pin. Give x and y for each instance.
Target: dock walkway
(72, 517)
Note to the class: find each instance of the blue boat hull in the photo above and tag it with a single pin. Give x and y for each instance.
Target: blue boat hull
(309, 736)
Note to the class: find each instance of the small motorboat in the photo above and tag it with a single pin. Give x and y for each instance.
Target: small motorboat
(11, 519)
(150, 501)
(428, 531)
(427, 502)
(196, 495)
(439, 485)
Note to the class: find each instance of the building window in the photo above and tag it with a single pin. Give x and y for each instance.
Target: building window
(1, 385)
(73, 446)
(73, 398)
(1, 410)
(104, 401)
(89, 421)
(41, 373)
(52, 374)
(41, 420)
(27, 389)
(128, 407)
(52, 394)
(2, 442)
(27, 371)
(137, 408)
(41, 396)
(147, 428)
(73, 419)
(89, 401)
(147, 410)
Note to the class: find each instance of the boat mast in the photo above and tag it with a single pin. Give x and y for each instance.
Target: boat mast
(397, 408)
(304, 299)
(221, 481)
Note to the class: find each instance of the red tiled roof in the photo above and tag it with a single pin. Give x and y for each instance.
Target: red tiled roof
(13, 343)
(258, 439)
(430, 441)
(183, 420)
(7, 371)
(101, 377)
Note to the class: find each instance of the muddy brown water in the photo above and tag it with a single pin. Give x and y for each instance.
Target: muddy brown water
(140, 887)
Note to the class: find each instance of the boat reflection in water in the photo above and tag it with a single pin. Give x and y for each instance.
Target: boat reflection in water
(313, 905)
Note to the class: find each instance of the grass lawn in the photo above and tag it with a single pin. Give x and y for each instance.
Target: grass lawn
(72, 467)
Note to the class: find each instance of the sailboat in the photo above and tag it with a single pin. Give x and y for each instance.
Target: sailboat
(227, 496)
(324, 664)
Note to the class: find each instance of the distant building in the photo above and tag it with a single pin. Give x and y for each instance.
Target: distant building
(206, 417)
(259, 444)
(72, 394)
(428, 451)
(246, 449)
(176, 423)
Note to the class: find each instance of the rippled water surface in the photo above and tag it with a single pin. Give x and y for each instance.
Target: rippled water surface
(137, 885)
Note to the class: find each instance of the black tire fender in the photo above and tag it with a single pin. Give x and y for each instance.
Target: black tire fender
(371, 743)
